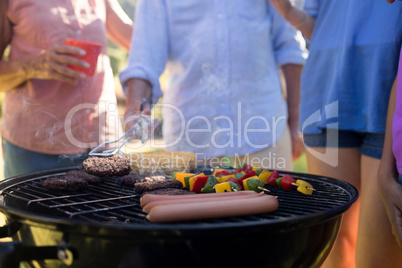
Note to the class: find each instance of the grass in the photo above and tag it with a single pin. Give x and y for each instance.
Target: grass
(300, 165)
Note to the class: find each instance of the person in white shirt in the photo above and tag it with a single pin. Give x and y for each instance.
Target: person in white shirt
(224, 94)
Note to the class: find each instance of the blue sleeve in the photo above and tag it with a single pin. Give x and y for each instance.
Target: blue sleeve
(311, 7)
(149, 45)
(288, 43)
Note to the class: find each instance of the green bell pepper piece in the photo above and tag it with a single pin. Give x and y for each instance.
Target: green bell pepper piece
(241, 165)
(279, 182)
(187, 182)
(234, 186)
(239, 175)
(209, 186)
(255, 184)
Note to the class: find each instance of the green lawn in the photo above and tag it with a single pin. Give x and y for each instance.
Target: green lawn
(301, 164)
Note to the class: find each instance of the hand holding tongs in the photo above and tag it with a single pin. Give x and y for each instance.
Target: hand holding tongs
(138, 129)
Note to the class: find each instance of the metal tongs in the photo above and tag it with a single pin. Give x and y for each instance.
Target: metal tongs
(130, 134)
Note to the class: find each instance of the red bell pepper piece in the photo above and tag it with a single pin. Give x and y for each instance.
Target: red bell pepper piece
(272, 178)
(248, 175)
(247, 168)
(235, 181)
(221, 173)
(288, 183)
(199, 183)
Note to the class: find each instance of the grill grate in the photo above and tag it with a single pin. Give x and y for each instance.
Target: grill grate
(111, 202)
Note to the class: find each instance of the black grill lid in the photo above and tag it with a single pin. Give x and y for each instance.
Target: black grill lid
(114, 204)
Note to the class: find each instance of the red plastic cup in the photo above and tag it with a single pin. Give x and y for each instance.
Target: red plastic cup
(93, 50)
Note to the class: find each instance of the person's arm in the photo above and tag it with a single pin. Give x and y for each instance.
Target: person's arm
(390, 189)
(292, 73)
(290, 54)
(119, 26)
(47, 64)
(5, 27)
(297, 17)
(147, 58)
(137, 91)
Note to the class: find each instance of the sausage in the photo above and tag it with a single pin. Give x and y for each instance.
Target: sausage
(147, 208)
(147, 198)
(212, 209)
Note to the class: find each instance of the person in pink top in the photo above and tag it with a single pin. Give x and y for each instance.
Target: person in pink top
(51, 114)
(390, 170)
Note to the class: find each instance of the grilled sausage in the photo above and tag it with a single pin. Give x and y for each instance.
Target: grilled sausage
(147, 198)
(147, 208)
(212, 209)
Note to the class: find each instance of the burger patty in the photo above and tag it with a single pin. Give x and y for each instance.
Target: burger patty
(80, 174)
(169, 191)
(132, 179)
(129, 179)
(141, 187)
(63, 183)
(116, 165)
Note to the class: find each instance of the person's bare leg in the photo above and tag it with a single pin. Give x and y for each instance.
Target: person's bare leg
(347, 169)
(376, 246)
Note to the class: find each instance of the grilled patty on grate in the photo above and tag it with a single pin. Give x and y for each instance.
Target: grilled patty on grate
(62, 183)
(141, 187)
(116, 165)
(169, 191)
(80, 174)
(133, 178)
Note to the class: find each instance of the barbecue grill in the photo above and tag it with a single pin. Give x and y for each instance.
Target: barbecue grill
(104, 226)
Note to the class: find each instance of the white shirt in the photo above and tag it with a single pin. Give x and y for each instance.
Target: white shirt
(224, 93)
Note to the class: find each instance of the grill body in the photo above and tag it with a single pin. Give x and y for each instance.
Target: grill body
(108, 229)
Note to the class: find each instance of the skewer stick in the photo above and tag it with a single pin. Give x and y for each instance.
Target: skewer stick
(309, 188)
(262, 188)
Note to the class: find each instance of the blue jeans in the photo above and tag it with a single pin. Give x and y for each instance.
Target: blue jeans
(19, 161)
(370, 144)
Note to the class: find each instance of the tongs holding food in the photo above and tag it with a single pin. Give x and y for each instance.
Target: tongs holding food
(136, 131)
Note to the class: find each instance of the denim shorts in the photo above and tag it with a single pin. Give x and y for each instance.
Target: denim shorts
(19, 161)
(370, 144)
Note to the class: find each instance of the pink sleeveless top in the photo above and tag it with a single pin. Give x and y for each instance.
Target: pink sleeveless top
(49, 116)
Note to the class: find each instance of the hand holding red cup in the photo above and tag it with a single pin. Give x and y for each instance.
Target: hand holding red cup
(92, 53)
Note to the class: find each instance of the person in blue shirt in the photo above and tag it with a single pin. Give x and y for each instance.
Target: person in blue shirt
(345, 87)
(224, 95)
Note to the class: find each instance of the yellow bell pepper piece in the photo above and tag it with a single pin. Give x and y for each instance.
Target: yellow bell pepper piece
(192, 180)
(304, 187)
(180, 177)
(245, 185)
(222, 187)
(225, 178)
(256, 168)
(264, 175)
